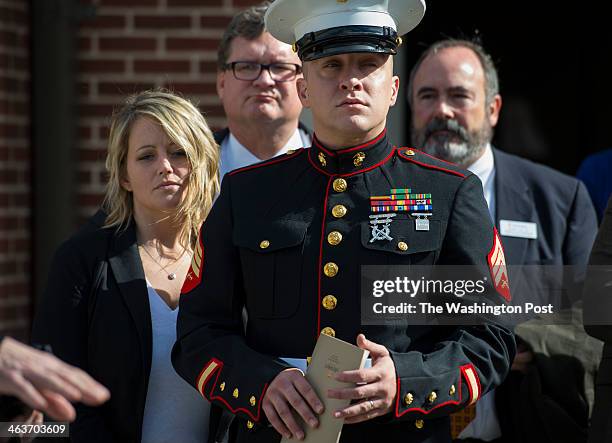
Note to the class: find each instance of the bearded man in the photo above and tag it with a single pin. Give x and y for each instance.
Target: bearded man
(544, 217)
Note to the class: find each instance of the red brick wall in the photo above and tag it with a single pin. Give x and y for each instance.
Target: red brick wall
(14, 168)
(136, 44)
(129, 45)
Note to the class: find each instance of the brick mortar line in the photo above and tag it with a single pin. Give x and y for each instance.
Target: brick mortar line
(14, 279)
(20, 256)
(15, 95)
(169, 55)
(13, 144)
(15, 119)
(21, 143)
(12, 50)
(14, 188)
(204, 100)
(22, 300)
(15, 6)
(15, 27)
(9, 325)
(209, 78)
(213, 11)
(209, 33)
(15, 73)
(11, 165)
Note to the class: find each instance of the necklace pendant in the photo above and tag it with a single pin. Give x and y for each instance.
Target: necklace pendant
(171, 276)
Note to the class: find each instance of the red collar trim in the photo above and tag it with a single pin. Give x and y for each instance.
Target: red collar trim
(375, 140)
(431, 156)
(278, 159)
(425, 165)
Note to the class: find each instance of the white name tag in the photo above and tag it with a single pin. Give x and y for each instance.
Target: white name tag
(513, 228)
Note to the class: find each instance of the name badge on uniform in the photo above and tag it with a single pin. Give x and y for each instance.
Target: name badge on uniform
(519, 229)
(421, 220)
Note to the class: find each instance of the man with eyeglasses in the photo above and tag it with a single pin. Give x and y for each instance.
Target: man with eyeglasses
(256, 82)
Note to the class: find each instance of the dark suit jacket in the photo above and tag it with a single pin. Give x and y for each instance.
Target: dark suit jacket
(566, 228)
(220, 135)
(95, 314)
(557, 203)
(220, 419)
(597, 322)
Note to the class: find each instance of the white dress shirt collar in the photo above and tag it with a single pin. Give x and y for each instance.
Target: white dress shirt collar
(484, 168)
(485, 426)
(235, 155)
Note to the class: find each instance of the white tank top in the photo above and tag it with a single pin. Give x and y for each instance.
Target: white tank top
(174, 410)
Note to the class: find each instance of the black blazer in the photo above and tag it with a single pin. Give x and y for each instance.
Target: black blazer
(95, 314)
(221, 419)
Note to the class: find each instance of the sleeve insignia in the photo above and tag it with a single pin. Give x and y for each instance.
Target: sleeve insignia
(194, 275)
(497, 266)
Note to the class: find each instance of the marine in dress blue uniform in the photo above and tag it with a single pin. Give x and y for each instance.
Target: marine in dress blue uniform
(287, 238)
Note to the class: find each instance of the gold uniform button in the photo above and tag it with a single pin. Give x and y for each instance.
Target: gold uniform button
(334, 238)
(358, 159)
(340, 185)
(253, 400)
(250, 424)
(330, 269)
(322, 159)
(328, 331)
(329, 302)
(402, 246)
(264, 244)
(419, 424)
(452, 390)
(290, 151)
(408, 399)
(235, 393)
(432, 397)
(409, 152)
(222, 386)
(339, 211)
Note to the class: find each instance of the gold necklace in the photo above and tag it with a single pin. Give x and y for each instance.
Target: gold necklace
(171, 275)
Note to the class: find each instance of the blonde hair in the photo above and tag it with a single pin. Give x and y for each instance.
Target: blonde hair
(186, 127)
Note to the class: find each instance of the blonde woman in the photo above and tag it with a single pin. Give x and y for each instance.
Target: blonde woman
(110, 306)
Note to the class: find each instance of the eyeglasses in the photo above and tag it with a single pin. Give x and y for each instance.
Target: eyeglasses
(249, 71)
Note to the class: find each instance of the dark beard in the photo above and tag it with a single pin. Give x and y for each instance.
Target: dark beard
(457, 145)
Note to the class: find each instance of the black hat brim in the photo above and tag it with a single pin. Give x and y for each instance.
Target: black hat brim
(347, 39)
